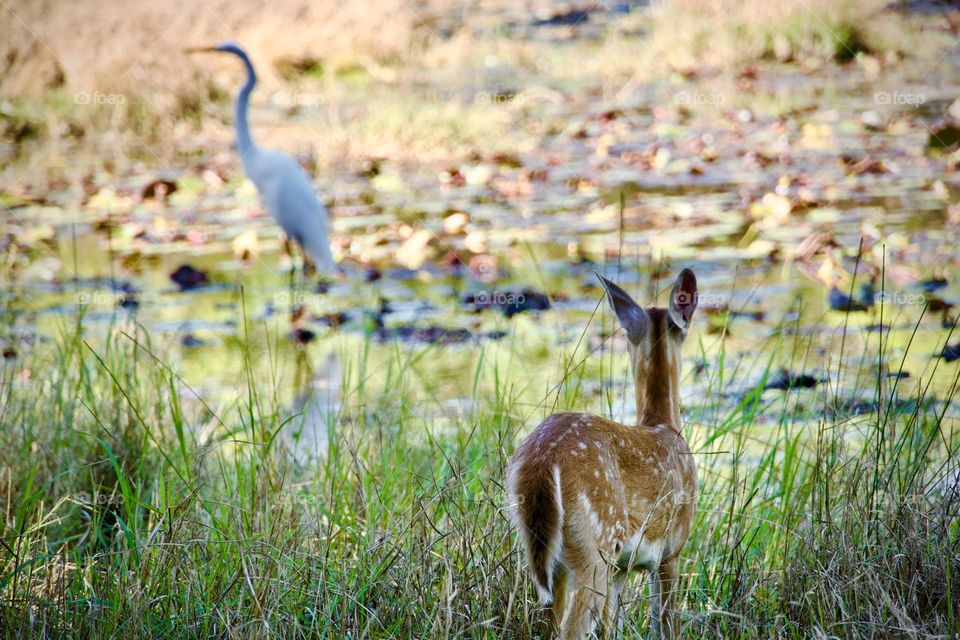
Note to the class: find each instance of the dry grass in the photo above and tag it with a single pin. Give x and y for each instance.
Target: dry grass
(114, 75)
(693, 34)
(81, 71)
(116, 46)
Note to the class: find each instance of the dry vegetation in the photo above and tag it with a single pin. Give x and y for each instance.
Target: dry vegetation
(400, 79)
(721, 33)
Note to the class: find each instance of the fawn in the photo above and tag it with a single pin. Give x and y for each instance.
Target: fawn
(595, 499)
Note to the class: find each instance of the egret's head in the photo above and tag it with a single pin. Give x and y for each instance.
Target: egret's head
(223, 47)
(230, 47)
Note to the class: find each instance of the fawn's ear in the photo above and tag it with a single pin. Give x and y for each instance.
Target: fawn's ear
(683, 299)
(631, 316)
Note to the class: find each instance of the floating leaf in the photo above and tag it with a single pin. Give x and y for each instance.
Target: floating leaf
(784, 380)
(945, 137)
(455, 223)
(416, 249)
(951, 352)
(840, 301)
(188, 278)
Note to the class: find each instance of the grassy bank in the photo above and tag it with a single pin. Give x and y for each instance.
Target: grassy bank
(131, 508)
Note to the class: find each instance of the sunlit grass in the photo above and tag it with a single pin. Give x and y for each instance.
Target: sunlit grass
(131, 507)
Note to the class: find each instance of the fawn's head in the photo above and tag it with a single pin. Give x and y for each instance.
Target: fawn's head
(654, 338)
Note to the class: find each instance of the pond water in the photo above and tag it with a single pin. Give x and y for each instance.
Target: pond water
(770, 211)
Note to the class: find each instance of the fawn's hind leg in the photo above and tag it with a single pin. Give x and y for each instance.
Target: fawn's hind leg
(594, 599)
(561, 583)
(663, 587)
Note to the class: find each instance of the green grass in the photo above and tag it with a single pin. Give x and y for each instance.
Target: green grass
(133, 509)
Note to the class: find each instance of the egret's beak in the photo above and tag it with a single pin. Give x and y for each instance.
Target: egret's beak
(200, 49)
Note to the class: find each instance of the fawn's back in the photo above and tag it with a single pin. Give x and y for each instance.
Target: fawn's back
(594, 499)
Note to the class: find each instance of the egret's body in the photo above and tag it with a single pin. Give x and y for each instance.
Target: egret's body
(283, 185)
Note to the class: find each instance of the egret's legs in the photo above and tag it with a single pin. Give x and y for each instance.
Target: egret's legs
(292, 273)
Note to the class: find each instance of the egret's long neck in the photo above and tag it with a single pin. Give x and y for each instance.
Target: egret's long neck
(244, 140)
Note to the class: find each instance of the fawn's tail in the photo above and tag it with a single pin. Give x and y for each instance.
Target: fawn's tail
(539, 514)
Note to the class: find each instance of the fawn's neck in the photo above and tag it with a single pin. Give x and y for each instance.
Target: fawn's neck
(657, 374)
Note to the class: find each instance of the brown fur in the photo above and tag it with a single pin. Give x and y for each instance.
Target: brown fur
(542, 514)
(627, 493)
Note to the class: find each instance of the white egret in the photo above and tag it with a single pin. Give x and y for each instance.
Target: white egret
(284, 187)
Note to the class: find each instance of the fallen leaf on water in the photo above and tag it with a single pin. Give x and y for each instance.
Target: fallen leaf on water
(478, 175)
(902, 275)
(873, 121)
(509, 303)
(42, 269)
(191, 340)
(332, 320)
(773, 208)
(161, 227)
(302, 336)
(784, 380)
(158, 189)
(415, 250)
(812, 244)
(934, 284)
(35, 233)
(455, 223)
(129, 302)
(817, 137)
(246, 246)
(107, 199)
(852, 165)
(212, 178)
(954, 110)
(951, 352)
(187, 278)
(387, 183)
(196, 237)
(840, 301)
(428, 335)
(476, 241)
(945, 137)
(484, 268)
(937, 304)
(661, 159)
